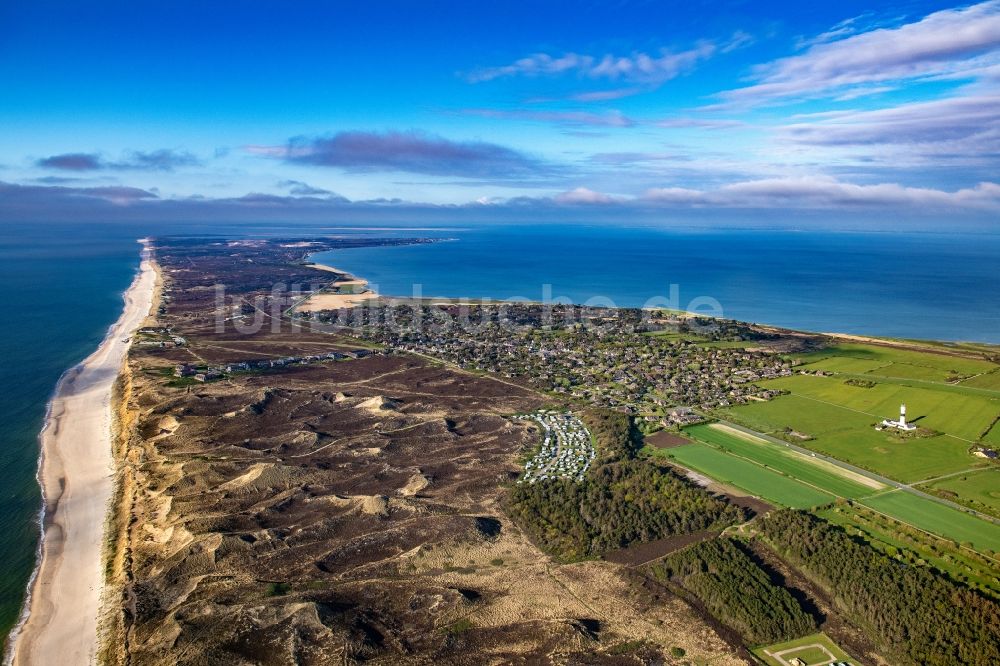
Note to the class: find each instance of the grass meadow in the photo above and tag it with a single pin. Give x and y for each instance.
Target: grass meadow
(979, 489)
(848, 434)
(767, 484)
(938, 519)
(814, 472)
(814, 650)
(896, 362)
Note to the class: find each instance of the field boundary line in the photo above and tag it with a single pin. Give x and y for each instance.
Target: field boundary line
(890, 483)
(726, 451)
(948, 476)
(929, 533)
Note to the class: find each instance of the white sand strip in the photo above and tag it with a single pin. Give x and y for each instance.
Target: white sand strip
(60, 622)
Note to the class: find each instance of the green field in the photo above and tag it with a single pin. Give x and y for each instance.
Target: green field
(946, 409)
(993, 436)
(817, 473)
(849, 435)
(754, 479)
(814, 650)
(777, 475)
(726, 344)
(896, 362)
(979, 489)
(845, 364)
(938, 519)
(989, 380)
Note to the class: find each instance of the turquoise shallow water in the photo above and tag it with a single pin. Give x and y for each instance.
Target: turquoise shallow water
(61, 286)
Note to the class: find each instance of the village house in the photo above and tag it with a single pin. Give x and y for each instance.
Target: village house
(184, 370)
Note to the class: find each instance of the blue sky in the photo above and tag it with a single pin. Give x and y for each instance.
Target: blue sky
(729, 106)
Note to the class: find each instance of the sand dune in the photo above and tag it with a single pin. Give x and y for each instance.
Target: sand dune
(76, 477)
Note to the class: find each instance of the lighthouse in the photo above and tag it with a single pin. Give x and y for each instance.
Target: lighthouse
(901, 424)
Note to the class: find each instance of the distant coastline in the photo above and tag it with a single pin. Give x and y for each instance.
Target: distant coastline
(346, 291)
(916, 287)
(922, 344)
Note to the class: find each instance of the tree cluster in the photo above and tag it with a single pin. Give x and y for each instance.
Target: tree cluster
(914, 615)
(621, 501)
(737, 591)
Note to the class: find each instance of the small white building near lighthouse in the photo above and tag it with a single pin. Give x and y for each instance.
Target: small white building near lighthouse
(901, 424)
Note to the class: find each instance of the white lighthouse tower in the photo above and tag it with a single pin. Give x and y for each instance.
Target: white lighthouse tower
(901, 424)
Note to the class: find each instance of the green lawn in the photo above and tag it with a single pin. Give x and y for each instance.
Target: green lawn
(965, 415)
(727, 344)
(989, 380)
(845, 364)
(848, 435)
(937, 519)
(993, 436)
(943, 387)
(894, 362)
(754, 479)
(979, 489)
(814, 472)
(805, 648)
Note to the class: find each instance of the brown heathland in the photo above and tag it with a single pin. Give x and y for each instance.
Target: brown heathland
(341, 511)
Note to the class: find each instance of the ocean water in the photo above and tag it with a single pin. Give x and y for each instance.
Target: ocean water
(61, 287)
(908, 285)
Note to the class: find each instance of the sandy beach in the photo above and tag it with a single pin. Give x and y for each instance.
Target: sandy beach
(330, 269)
(76, 475)
(325, 300)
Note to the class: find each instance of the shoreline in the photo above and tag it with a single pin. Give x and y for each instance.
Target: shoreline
(947, 346)
(325, 300)
(75, 473)
(915, 328)
(331, 269)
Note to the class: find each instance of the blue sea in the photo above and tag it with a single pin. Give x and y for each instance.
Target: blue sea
(60, 289)
(906, 285)
(61, 286)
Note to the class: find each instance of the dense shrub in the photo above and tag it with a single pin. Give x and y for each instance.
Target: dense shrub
(621, 501)
(737, 591)
(914, 615)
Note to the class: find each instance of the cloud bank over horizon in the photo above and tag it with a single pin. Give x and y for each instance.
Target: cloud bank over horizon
(817, 201)
(838, 109)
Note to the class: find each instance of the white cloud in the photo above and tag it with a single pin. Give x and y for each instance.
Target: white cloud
(863, 91)
(675, 195)
(703, 123)
(636, 68)
(582, 195)
(826, 192)
(963, 127)
(605, 95)
(739, 39)
(950, 43)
